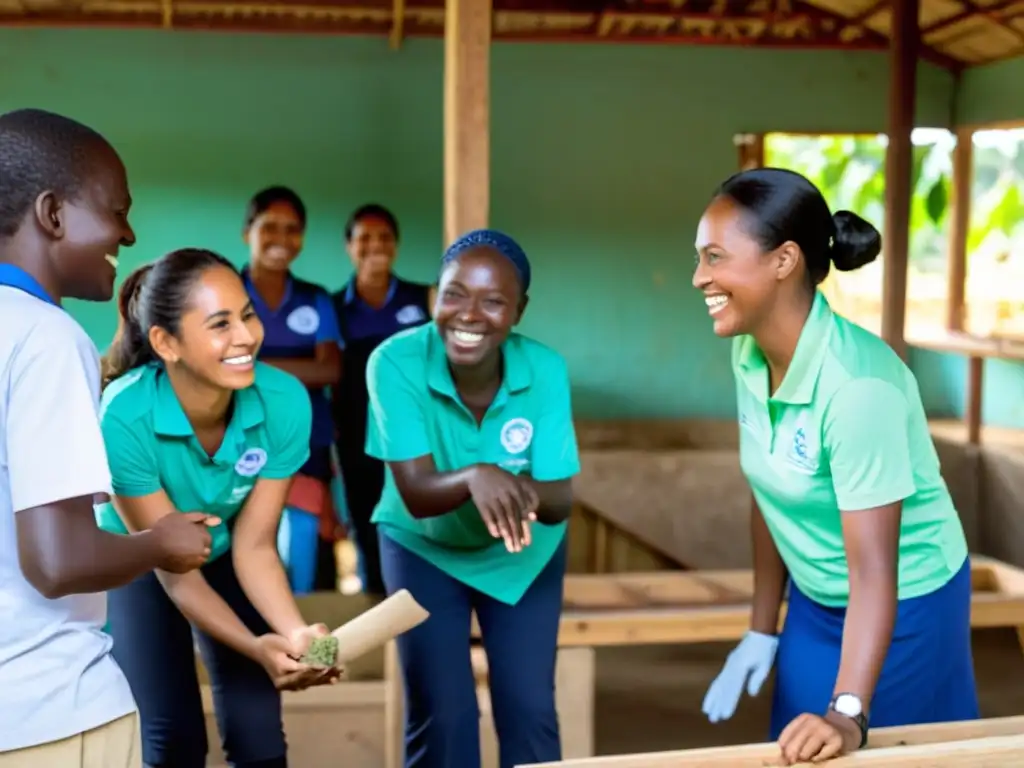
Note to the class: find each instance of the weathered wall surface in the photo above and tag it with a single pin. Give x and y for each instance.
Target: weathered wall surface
(676, 486)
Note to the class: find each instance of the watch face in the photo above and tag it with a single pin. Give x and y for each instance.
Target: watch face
(848, 704)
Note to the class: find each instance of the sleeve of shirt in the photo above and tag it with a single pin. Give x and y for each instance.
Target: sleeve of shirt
(865, 434)
(290, 426)
(396, 428)
(328, 329)
(555, 453)
(53, 442)
(133, 463)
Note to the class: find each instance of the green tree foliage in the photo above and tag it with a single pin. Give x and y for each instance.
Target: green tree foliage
(850, 171)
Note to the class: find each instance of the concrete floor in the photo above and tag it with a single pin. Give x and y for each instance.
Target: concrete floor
(648, 699)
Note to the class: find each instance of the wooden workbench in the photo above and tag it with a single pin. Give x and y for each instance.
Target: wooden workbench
(996, 743)
(677, 607)
(708, 606)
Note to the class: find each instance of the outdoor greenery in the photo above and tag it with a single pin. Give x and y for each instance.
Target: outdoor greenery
(850, 171)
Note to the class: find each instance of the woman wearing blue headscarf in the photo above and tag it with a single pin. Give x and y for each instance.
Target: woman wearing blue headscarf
(474, 424)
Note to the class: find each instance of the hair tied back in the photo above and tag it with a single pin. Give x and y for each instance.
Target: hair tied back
(855, 243)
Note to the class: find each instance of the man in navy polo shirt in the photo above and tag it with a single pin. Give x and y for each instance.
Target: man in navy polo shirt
(301, 338)
(371, 307)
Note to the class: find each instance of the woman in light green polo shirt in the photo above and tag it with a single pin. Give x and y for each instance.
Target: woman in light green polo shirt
(849, 502)
(192, 423)
(475, 426)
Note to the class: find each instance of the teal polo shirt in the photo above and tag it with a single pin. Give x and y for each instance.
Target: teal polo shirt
(415, 410)
(151, 445)
(845, 431)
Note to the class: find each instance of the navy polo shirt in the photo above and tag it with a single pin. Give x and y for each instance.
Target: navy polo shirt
(304, 319)
(404, 307)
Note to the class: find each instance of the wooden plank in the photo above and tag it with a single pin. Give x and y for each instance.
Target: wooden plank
(714, 606)
(987, 752)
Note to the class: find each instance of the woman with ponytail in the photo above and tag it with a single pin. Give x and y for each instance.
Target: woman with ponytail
(192, 422)
(850, 509)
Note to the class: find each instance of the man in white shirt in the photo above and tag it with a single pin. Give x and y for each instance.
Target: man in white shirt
(64, 703)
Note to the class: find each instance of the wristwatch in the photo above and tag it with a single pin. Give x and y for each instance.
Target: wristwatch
(849, 705)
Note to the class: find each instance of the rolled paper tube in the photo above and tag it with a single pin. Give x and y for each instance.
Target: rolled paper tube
(372, 629)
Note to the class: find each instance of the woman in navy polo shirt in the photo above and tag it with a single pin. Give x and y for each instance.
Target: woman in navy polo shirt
(372, 306)
(302, 338)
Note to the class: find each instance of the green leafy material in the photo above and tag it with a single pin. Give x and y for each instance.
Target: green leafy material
(322, 652)
(937, 201)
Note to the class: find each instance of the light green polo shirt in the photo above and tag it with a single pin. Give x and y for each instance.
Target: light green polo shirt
(151, 445)
(415, 410)
(846, 431)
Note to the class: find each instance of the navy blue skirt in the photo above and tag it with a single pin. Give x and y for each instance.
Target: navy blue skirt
(928, 675)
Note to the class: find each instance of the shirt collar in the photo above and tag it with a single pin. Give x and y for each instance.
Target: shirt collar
(254, 294)
(518, 374)
(798, 385)
(351, 295)
(16, 277)
(169, 418)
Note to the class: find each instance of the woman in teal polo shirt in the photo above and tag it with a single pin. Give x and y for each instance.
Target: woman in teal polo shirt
(849, 502)
(475, 426)
(192, 423)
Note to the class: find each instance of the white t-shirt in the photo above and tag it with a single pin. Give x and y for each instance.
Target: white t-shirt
(57, 677)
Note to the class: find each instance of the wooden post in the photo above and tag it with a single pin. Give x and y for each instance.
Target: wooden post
(972, 408)
(956, 310)
(467, 51)
(963, 166)
(898, 163)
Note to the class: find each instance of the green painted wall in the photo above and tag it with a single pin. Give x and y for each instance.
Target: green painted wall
(603, 157)
(985, 94)
(991, 93)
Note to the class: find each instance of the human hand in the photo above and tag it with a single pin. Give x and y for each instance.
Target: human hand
(183, 540)
(506, 503)
(812, 738)
(301, 638)
(747, 665)
(274, 653)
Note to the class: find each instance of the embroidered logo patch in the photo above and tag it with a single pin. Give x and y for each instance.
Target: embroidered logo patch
(409, 314)
(516, 435)
(304, 320)
(252, 461)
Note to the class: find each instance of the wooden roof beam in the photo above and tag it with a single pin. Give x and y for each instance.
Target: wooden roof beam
(993, 16)
(969, 12)
(397, 33)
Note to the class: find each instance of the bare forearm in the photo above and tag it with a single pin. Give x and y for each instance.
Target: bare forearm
(769, 576)
(311, 372)
(867, 633)
(207, 610)
(431, 494)
(555, 500)
(266, 585)
(63, 552)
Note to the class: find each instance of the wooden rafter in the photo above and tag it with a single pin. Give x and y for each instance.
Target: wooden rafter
(749, 23)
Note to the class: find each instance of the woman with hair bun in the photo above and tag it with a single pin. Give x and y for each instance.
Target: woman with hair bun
(850, 508)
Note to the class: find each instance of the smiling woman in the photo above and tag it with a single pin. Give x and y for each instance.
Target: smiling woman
(302, 338)
(475, 426)
(849, 506)
(192, 423)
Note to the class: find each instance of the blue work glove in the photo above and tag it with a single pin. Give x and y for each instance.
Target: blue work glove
(747, 665)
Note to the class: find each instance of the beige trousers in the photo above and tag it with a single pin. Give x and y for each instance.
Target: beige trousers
(114, 745)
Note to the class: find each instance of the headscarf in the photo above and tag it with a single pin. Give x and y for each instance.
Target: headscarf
(497, 241)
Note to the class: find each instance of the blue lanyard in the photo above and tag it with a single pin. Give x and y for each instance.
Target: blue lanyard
(18, 278)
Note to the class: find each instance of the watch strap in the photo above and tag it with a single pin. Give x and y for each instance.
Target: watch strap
(861, 720)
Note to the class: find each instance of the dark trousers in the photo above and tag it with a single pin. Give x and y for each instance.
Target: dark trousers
(364, 483)
(153, 644)
(441, 712)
